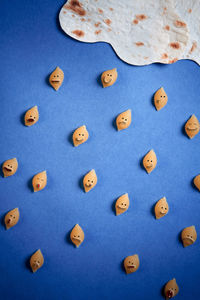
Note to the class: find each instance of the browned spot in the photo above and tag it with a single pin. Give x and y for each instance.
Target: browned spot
(73, 15)
(141, 17)
(175, 45)
(83, 19)
(172, 61)
(78, 33)
(64, 12)
(111, 8)
(189, 10)
(100, 10)
(108, 21)
(135, 21)
(164, 56)
(194, 45)
(146, 57)
(98, 31)
(97, 24)
(179, 23)
(109, 29)
(139, 44)
(167, 27)
(165, 8)
(76, 7)
(89, 20)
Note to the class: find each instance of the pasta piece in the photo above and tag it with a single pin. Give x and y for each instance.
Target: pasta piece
(122, 204)
(77, 235)
(36, 261)
(160, 99)
(197, 182)
(39, 181)
(161, 208)
(56, 78)
(80, 136)
(192, 126)
(31, 116)
(189, 236)
(150, 161)
(123, 120)
(11, 218)
(109, 77)
(90, 180)
(171, 289)
(10, 167)
(131, 263)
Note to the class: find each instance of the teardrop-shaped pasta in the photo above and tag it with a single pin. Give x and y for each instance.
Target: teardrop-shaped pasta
(161, 208)
(80, 136)
(77, 235)
(192, 126)
(123, 120)
(31, 116)
(10, 167)
(197, 182)
(131, 263)
(36, 261)
(122, 204)
(56, 78)
(171, 289)
(160, 98)
(188, 236)
(39, 181)
(89, 180)
(11, 218)
(109, 77)
(150, 161)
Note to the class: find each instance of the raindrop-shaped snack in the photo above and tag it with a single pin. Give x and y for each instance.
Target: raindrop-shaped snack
(197, 182)
(150, 161)
(171, 289)
(77, 235)
(131, 263)
(36, 261)
(10, 167)
(192, 126)
(160, 98)
(109, 77)
(122, 204)
(80, 136)
(123, 120)
(89, 180)
(31, 117)
(161, 208)
(39, 181)
(188, 236)
(56, 78)
(11, 218)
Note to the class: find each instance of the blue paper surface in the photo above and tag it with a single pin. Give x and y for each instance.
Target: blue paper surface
(32, 45)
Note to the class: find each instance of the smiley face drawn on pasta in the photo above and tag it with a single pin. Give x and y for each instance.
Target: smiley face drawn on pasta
(109, 77)
(171, 289)
(197, 182)
(160, 99)
(123, 120)
(150, 161)
(89, 180)
(77, 235)
(161, 208)
(39, 181)
(56, 78)
(11, 218)
(122, 204)
(192, 126)
(31, 117)
(36, 261)
(80, 136)
(10, 167)
(131, 264)
(189, 236)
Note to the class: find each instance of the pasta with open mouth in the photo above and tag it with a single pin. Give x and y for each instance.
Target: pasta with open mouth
(10, 167)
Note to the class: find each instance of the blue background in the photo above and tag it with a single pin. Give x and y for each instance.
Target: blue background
(32, 45)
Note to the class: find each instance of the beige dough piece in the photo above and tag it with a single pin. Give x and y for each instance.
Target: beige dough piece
(150, 161)
(56, 78)
(161, 208)
(197, 182)
(90, 180)
(109, 77)
(36, 261)
(171, 289)
(39, 181)
(80, 136)
(31, 117)
(122, 204)
(160, 98)
(192, 126)
(10, 167)
(77, 235)
(131, 263)
(189, 236)
(11, 218)
(123, 120)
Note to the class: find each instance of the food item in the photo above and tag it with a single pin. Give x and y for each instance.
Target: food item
(90, 180)
(150, 161)
(160, 99)
(11, 218)
(122, 204)
(189, 236)
(80, 136)
(36, 261)
(32, 116)
(192, 126)
(39, 181)
(197, 182)
(10, 167)
(56, 78)
(171, 289)
(109, 77)
(131, 263)
(161, 208)
(123, 120)
(77, 235)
